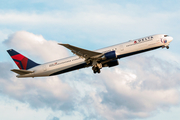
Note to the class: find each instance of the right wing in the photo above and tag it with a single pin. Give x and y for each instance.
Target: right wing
(21, 72)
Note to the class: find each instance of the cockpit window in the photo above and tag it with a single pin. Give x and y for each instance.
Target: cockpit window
(166, 35)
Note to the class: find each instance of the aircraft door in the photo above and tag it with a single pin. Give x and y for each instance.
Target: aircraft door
(45, 68)
(121, 47)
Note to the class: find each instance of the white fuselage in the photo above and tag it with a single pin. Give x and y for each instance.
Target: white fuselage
(122, 50)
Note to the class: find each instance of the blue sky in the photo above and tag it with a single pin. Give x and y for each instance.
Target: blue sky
(145, 86)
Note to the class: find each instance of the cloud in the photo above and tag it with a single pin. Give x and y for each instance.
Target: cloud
(39, 93)
(55, 118)
(98, 23)
(50, 92)
(4, 34)
(36, 45)
(93, 18)
(136, 88)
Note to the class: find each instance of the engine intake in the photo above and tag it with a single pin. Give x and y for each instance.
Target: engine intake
(110, 55)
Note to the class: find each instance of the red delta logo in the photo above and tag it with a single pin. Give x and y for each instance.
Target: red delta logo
(135, 42)
(20, 61)
(163, 41)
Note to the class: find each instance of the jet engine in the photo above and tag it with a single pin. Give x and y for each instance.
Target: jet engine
(110, 55)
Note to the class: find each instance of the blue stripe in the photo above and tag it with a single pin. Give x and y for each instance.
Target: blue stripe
(70, 69)
(137, 52)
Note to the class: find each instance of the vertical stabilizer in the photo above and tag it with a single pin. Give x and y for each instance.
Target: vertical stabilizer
(21, 61)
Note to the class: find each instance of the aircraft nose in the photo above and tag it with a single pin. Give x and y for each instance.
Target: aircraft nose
(170, 39)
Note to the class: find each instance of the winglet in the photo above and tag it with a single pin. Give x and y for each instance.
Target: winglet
(65, 45)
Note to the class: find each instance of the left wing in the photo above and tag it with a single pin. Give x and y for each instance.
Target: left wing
(83, 53)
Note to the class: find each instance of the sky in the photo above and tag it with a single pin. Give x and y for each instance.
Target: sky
(142, 87)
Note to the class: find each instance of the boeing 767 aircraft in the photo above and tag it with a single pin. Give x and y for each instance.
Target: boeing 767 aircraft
(106, 57)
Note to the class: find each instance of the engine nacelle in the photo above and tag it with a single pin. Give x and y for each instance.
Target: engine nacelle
(111, 63)
(110, 55)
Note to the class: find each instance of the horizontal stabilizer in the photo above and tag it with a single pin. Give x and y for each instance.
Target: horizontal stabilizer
(21, 72)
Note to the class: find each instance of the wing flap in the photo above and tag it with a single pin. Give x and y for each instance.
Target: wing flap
(21, 72)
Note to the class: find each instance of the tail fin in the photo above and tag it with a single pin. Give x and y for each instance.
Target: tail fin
(21, 61)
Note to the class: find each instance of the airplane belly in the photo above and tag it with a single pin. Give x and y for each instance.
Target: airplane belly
(68, 68)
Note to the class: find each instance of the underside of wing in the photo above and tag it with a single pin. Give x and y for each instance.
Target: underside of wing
(83, 53)
(21, 72)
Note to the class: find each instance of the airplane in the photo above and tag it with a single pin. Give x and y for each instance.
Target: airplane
(106, 57)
